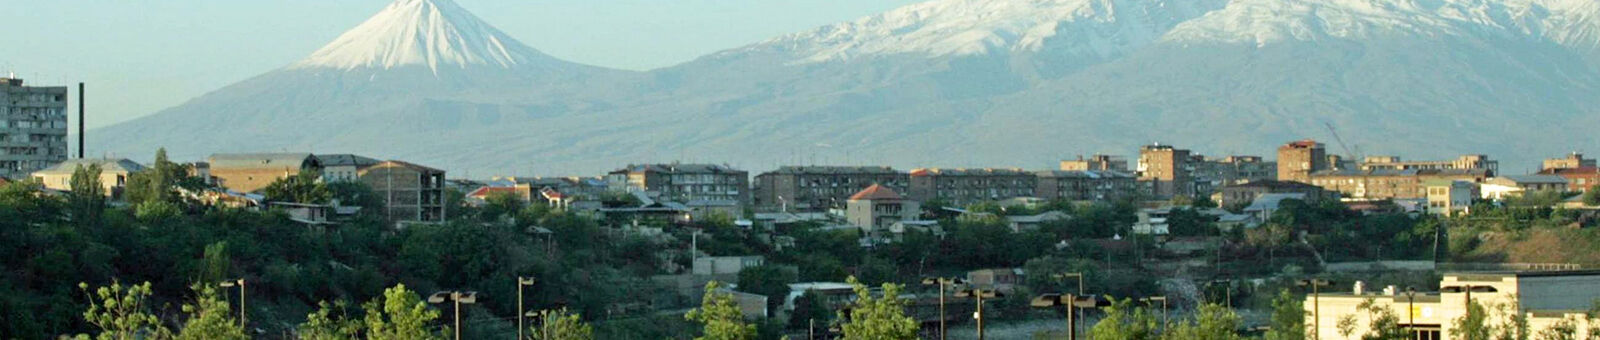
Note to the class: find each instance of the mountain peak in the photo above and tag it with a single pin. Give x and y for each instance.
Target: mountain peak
(431, 33)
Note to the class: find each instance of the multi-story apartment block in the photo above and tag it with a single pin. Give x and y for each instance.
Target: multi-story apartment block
(1298, 159)
(1460, 163)
(1572, 161)
(683, 182)
(33, 127)
(1211, 174)
(967, 186)
(816, 188)
(1096, 163)
(1391, 184)
(410, 192)
(1240, 194)
(1166, 170)
(1578, 179)
(1088, 185)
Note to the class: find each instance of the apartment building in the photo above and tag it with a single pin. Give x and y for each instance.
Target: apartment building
(1297, 160)
(683, 182)
(818, 188)
(1213, 173)
(33, 127)
(1166, 170)
(966, 186)
(1242, 194)
(1578, 179)
(1097, 162)
(1391, 184)
(1571, 161)
(1086, 185)
(1480, 162)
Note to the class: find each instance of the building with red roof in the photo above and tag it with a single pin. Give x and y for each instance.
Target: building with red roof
(877, 207)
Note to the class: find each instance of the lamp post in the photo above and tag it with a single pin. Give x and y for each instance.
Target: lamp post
(1053, 300)
(942, 282)
(521, 325)
(1411, 311)
(979, 294)
(1063, 276)
(457, 298)
(1163, 299)
(1316, 306)
(240, 283)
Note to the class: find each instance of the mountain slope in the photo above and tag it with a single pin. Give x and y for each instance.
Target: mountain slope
(943, 83)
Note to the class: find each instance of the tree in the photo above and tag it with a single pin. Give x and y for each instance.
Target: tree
(1211, 322)
(878, 318)
(304, 187)
(1592, 197)
(561, 325)
(88, 195)
(809, 310)
(767, 280)
(1123, 321)
(215, 263)
(720, 317)
(1472, 325)
(1288, 318)
(1566, 329)
(155, 183)
(324, 324)
(209, 317)
(399, 314)
(120, 313)
(1382, 323)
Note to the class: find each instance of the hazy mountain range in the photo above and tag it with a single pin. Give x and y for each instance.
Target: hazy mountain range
(945, 83)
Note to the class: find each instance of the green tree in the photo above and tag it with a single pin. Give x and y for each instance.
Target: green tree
(1211, 322)
(304, 187)
(1124, 321)
(561, 325)
(209, 318)
(1382, 323)
(399, 314)
(878, 318)
(767, 280)
(720, 317)
(215, 265)
(1288, 318)
(328, 324)
(810, 310)
(1592, 197)
(1473, 325)
(1566, 329)
(121, 314)
(88, 195)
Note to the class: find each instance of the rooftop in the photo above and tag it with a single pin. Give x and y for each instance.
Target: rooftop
(1275, 185)
(829, 170)
(969, 172)
(260, 160)
(120, 165)
(1406, 172)
(1092, 174)
(678, 168)
(1535, 179)
(875, 193)
(346, 160)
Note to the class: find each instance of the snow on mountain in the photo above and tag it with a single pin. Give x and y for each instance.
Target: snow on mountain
(1262, 22)
(966, 27)
(434, 33)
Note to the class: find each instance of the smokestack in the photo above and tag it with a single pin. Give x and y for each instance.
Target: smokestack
(80, 120)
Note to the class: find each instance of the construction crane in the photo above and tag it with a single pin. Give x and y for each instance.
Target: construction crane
(1354, 155)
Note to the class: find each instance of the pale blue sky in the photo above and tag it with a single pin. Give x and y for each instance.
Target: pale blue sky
(143, 56)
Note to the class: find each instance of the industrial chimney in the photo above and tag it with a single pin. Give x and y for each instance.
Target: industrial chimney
(80, 120)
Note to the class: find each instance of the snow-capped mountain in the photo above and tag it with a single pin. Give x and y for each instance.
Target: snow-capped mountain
(432, 33)
(942, 83)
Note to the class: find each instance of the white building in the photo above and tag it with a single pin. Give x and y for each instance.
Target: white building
(1545, 298)
(1450, 197)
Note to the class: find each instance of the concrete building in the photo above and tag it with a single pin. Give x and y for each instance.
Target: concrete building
(33, 127)
(819, 188)
(410, 192)
(1578, 179)
(877, 207)
(114, 174)
(1097, 162)
(683, 182)
(249, 172)
(1448, 197)
(960, 187)
(1262, 208)
(1298, 159)
(1086, 185)
(1241, 194)
(1165, 170)
(1390, 184)
(344, 167)
(1544, 298)
(1572, 161)
(1152, 221)
(1211, 173)
(1465, 162)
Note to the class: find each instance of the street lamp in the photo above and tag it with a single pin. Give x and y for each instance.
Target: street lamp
(240, 283)
(979, 294)
(1411, 311)
(942, 282)
(1148, 300)
(1316, 306)
(521, 325)
(1053, 300)
(457, 298)
(1063, 276)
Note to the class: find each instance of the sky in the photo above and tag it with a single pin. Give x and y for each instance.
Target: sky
(138, 57)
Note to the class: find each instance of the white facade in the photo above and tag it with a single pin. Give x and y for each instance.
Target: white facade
(1544, 297)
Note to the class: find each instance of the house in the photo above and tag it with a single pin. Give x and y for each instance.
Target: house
(1020, 223)
(1242, 194)
(309, 214)
(707, 209)
(877, 207)
(344, 167)
(834, 295)
(249, 172)
(114, 174)
(1004, 280)
(1579, 179)
(725, 265)
(481, 195)
(1516, 185)
(1264, 206)
(1450, 197)
(1152, 221)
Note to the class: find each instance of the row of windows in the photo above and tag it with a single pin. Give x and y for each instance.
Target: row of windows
(37, 97)
(30, 124)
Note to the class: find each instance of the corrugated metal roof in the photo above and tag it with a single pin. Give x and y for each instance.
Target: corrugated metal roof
(346, 160)
(261, 160)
